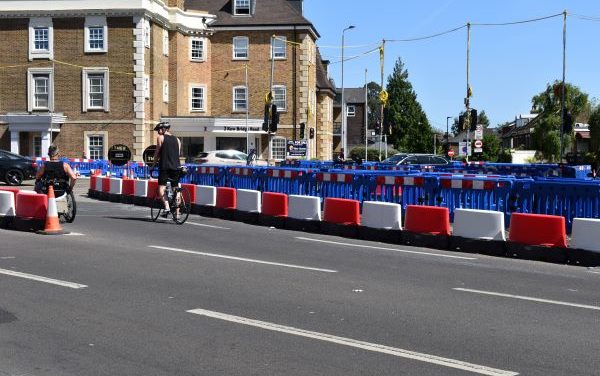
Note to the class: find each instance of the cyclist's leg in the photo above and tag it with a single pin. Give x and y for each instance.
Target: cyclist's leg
(162, 185)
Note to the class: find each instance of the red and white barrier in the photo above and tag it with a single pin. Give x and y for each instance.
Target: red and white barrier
(248, 201)
(427, 220)
(116, 186)
(479, 224)
(288, 174)
(206, 195)
(306, 208)
(382, 215)
(585, 234)
(538, 229)
(342, 211)
(7, 204)
(140, 188)
(337, 178)
(226, 198)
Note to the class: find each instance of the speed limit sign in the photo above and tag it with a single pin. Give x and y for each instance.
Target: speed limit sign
(451, 153)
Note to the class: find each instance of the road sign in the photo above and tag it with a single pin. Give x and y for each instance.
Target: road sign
(296, 148)
(479, 132)
(451, 153)
(478, 144)
(148, 155)
(119, 155)
(463, 150)
(478, 150)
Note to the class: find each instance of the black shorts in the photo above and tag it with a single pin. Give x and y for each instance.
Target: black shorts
(164, 175)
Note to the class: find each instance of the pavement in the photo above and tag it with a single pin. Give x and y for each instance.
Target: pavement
(122, 295)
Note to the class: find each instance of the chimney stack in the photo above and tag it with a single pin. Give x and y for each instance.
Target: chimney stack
(298, 5)
(176, 3)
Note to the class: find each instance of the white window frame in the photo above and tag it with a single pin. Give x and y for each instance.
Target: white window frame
(41, 22)
(147, 33)
(87, 140)
(279, 101)
(350, 113)
(234, 51)
(165, 86)
(236, 9)
(165, 42)
(234, 108)
(203, 50)
(272, 148)
(31, 89)
(146, 86)
(95, 22)
(278, 39)
(86, 89)
(204, 98)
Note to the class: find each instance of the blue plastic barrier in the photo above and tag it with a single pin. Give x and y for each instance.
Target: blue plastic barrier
(287, 180)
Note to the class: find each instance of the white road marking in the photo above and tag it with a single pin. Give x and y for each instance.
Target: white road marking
(445, 362)
(43, 279)
(208, 226)
(75, 234)
(384, 248)
(7, 258)
(242, 259)
(557, 302)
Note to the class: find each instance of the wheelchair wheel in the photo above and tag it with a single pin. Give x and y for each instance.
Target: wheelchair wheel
(71, 210)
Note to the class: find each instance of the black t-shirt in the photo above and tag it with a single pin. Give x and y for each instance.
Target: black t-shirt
(169, 153)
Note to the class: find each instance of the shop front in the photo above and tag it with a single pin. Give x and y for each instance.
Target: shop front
(202, 134)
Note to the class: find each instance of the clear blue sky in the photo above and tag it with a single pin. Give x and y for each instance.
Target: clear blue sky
(509, 64)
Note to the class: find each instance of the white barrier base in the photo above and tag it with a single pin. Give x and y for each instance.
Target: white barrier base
(248, 200)
(306, 208)
(382, 215)
(584, 235)
(116, 186)
(99, 183)
(140, 188)
(7, 204)
(206, 195)
(479, 224)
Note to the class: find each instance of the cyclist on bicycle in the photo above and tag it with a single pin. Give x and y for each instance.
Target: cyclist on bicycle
(168, 149)
(59, 172)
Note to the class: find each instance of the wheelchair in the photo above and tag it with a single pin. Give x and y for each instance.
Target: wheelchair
(66, 205)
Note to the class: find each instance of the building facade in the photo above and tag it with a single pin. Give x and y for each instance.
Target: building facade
(88, 75)
(355, 118)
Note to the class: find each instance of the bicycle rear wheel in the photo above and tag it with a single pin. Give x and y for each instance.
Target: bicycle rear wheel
(184, 204)
(156, 208)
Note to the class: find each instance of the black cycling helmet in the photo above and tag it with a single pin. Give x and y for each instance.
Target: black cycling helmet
(162, 124)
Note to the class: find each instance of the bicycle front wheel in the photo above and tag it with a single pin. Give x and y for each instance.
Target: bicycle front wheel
(183, 205)
(156, 208)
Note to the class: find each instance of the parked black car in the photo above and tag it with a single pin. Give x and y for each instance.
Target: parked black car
(416, 159)
(15, 168)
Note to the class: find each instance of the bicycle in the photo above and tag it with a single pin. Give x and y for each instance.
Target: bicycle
(179, 203)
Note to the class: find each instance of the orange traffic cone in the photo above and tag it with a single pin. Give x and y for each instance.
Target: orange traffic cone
(52, 226)
(131, 175)
(124, 177)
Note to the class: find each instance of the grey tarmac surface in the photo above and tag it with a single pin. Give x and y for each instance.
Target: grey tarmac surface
(312, 297)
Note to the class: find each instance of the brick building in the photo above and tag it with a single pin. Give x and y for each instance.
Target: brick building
(240, 54)
(355, 118)
(88, 75)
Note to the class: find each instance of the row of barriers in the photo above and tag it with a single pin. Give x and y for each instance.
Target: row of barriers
(86, 167)
(570, 198)
(531, 236)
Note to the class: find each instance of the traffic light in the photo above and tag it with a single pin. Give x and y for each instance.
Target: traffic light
(567, 122)
(461, 122)
(265, 125)
(378, 127)
(473, 120)
(274, 118)
(311, 133)
(302, 127)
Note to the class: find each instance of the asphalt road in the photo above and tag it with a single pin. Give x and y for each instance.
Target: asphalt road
(124, 296)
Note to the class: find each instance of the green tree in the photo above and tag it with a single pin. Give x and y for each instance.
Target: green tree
(373, 90)
(410, 130)
(491, 147)
(481, 119)
(594, 123)
(546, 134)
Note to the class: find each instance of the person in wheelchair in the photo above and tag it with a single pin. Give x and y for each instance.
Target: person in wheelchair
(55, 172)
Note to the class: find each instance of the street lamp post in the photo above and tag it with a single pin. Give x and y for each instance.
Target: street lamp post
(344, 130)
(447, 134)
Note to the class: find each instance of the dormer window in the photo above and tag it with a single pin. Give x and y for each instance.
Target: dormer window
(241, 7)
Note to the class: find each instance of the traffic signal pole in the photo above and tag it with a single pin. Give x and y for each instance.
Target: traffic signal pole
(467, 100)
(563, 91)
